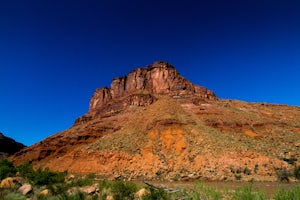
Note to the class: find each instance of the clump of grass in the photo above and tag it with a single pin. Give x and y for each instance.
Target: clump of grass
(201, 191)
(247, 193)
(288, 194)
(14, 196)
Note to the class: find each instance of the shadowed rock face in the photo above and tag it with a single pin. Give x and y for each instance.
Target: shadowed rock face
(139, 87)
(9, 146)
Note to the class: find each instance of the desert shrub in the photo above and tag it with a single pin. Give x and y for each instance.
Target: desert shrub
(290, 160)
(247, 171)
(26, 171)
(297, 172)
(238, 177)
(39, 176)
(123, 190)
(176, 177)
(255, 168)
(81, 182)
(47, 177)
(283, 175)
(104, 184)
(58, 188)
(77, 196)
(6, 169)
(288, 194)
(156, 194)
(91, 176)
(246, 193)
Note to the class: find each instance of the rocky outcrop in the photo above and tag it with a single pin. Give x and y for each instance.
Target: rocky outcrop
(158, 78)
(139, 87)
(9, 146)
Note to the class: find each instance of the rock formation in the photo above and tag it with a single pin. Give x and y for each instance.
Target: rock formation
(138, 88)
(155, 124)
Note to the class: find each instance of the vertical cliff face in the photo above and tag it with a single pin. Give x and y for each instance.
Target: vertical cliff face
(158, 78)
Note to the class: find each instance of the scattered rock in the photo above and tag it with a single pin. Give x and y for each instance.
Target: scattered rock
(8, 182)
(25, 189)
(109, 197)
(142, 192)
(88, 189)
(45, 192)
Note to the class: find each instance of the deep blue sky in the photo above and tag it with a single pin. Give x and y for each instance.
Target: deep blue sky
(55, 53)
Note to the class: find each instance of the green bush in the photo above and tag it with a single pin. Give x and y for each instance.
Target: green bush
(6, 169)
(297, 172)
(123, 190)
(283, 175)
(26, 171)
(247, 171)
(39, 176)
(81, 182)
(104, 184)
(291, 160)
(288, 194)
(46, 177)
(156, 194)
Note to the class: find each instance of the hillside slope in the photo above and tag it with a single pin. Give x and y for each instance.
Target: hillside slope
(8, 146)
(153, 123)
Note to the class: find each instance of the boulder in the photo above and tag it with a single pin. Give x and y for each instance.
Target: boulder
(88, 189)
(8, 182)
(142, 192)
(25, 189)
(45, 192)
(109, 197)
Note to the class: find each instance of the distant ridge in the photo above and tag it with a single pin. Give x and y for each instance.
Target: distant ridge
(8, 146)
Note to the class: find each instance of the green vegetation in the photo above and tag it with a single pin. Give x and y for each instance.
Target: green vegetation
(297, 172)
(123, 190)
(39, 176)
(283, 194)
(156, 194)
(201, 191)
(247, 193)
(6, 169)
(61, 187)
(283, 175)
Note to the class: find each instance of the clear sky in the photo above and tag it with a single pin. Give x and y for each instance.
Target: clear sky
(55, 53)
